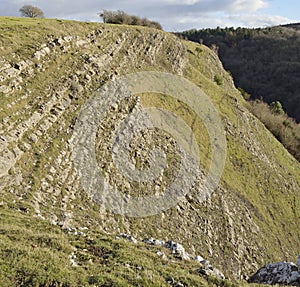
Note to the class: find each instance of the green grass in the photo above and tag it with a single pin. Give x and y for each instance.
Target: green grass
(255, 179)
(35, 253)
(186, 113)
(259, 188)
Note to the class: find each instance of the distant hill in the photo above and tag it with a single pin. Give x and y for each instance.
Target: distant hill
(295, 26)
(264, 62)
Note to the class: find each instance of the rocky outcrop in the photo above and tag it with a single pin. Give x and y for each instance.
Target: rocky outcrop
(101, 57)
(42, 89)
(178, 251)
(282, 273)
(127, 236)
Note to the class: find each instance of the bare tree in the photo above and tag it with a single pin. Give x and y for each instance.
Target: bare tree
(31, 11)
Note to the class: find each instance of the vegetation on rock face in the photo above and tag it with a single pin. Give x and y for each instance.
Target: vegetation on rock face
(120, 17)
(49, 69)
(284, 128)
(31, 11)
(218, 80)
(264, 62)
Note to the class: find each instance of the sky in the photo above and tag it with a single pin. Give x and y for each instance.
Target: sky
(174, 15)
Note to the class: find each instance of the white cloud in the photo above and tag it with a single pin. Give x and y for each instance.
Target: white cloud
(181, 2)
(246, 6)
(260, 20)
(174, 15)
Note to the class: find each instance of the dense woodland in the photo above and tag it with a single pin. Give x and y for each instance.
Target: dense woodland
(264, 62)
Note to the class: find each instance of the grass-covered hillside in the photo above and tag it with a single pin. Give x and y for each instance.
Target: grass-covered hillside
(53, 234)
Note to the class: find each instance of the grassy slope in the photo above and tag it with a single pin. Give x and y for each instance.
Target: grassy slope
(261, 180)
(36, 253)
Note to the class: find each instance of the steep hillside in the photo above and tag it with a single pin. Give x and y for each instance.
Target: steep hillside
(264, 62)
(49, 70)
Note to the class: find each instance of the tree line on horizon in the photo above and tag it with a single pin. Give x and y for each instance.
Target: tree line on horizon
(120, 17)
(110, 17)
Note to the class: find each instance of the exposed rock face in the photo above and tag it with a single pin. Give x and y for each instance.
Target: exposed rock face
(177, 249)
(208, 269)
(283, 273)
(43, 92)
(127, 236)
